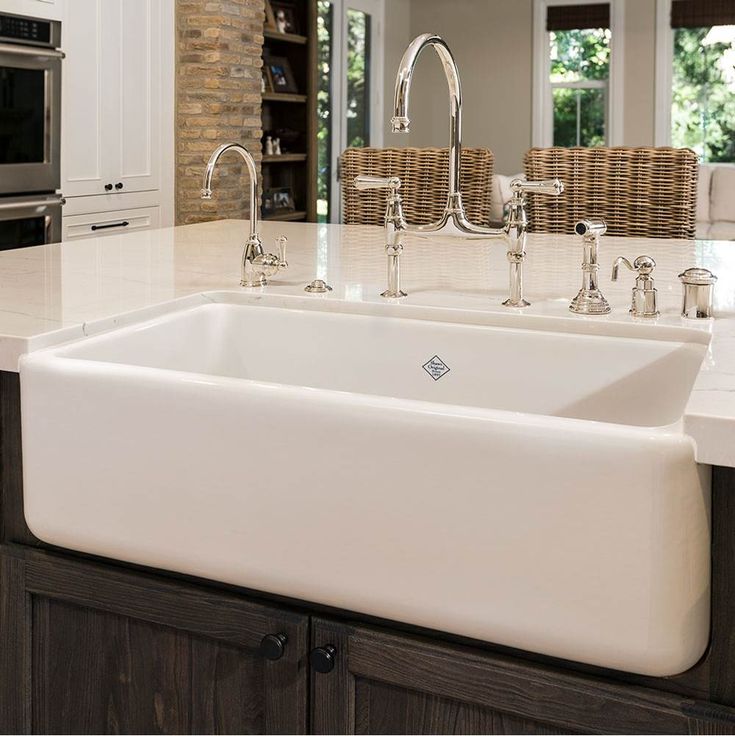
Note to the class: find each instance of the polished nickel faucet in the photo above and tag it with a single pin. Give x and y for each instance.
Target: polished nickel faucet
(395, 225)
(257, 265)
(454, 220)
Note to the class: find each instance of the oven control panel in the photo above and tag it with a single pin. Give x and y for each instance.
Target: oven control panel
(24, 30)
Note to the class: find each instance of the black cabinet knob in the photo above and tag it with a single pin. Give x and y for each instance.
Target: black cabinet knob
(108, 187)
(272, 646)
(323, 659)
(119, 185)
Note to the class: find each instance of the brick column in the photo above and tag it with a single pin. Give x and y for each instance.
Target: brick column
(218, 73)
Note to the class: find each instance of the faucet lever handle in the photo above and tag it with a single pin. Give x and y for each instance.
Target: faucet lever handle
(553, 187)
(282, 243)
(364, 181)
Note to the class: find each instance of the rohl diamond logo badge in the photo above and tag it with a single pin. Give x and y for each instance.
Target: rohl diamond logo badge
(436, 368)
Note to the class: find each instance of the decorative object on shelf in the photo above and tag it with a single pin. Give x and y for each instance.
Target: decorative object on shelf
(276, 146)
(286, 20)
(267, 203)
(270, 16)
(280, 76)
(269, 146)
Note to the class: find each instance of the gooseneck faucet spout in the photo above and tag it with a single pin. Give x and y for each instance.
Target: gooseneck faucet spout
(454, 220)
(256, 265)
(247, 157)
(401, 122)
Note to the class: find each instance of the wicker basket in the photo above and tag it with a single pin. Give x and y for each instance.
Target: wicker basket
(424, 174)
(639, 192)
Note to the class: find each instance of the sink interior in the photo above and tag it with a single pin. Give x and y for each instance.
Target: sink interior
(560, 374)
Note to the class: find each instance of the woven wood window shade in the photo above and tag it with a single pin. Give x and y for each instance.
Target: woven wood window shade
(570, 17)
(702, 13)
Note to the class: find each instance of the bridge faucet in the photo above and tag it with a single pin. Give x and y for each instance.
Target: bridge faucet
(514, 231)
(256, 264)
(454, 219)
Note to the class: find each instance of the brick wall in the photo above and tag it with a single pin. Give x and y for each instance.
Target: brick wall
(219, 49)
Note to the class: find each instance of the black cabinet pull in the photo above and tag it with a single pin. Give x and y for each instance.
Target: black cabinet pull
(124, 223)
(272, 646)
(323, 659)
(108, 187)
(119, 185)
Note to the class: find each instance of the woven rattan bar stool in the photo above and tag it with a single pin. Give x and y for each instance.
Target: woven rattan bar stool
(639, 192)
(425, 184)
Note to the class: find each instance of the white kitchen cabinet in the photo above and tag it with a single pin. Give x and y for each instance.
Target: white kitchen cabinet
(117, 104)
(47, 9)
(76, 227)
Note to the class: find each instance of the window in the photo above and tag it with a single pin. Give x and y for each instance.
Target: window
(577, 75)
(580, 69)
(349, 108)
(696, 77)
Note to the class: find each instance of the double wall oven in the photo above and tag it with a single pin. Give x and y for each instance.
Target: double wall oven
(30, 131)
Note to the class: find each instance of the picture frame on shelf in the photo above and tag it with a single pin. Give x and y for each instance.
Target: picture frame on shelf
(270, 16)
(286, 18)
(277, 200)
(279, 75)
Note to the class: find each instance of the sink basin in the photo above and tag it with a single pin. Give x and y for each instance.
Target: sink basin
(524, 482)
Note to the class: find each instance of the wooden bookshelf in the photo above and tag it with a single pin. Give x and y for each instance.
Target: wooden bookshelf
(284, 97)
(284, 158)
(292, 116)
(285, 37)
(286, 216)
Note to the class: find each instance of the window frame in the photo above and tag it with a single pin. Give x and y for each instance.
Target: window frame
(340, 8)
(542, 133)
(664, 73)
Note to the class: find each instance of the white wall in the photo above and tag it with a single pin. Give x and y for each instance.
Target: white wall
(492, 41)
(397, 37)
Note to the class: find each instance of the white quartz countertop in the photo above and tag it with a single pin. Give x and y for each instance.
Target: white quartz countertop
(55, 293)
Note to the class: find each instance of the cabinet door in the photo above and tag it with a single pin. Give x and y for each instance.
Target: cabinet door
(111, 99)
(138, 90)
(88, 107)
(388, 683)
(94, 649)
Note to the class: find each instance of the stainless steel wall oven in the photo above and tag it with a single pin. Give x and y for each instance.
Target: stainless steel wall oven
(30, 130)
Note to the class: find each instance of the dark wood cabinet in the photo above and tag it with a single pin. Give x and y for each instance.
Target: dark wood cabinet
(384, 682)
(97, 648)
(92, 649)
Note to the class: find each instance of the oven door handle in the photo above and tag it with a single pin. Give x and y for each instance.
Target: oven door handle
(47, 202)
(9, 48)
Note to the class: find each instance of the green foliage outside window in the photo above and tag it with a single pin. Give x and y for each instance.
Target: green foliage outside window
(324, 107)
(579, 56)
(358, 61)
(703, 103)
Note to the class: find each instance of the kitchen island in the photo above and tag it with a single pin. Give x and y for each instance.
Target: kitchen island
(210, 641)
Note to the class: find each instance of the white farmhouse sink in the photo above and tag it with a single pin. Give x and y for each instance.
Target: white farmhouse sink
(539, 494)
